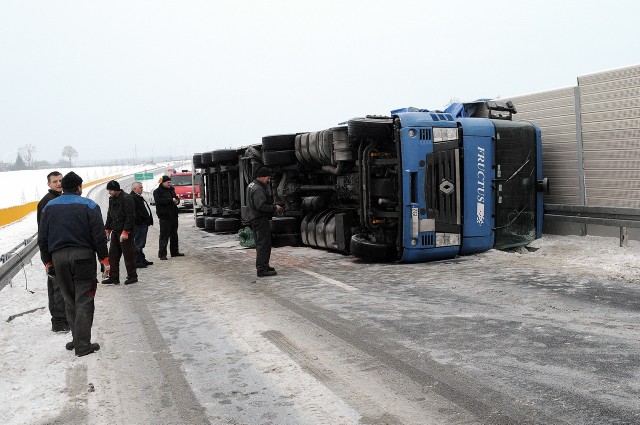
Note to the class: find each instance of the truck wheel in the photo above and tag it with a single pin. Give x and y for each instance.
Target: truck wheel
(197, 160)
(371, 128)
(279, 142)
(200, 222)
(285, 239)
(227, 224)
(362, 247)
(279, 157)
(210, 223)
(205, 159)
(224, 155)
(284, 225)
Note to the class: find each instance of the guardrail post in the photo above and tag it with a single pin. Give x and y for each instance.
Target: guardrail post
(624, 237)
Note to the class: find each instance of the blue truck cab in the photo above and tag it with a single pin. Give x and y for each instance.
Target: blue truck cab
(468, 184)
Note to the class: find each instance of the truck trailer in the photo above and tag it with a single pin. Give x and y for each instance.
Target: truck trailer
(414, 186)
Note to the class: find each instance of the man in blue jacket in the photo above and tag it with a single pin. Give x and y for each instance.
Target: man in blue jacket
(70, 235)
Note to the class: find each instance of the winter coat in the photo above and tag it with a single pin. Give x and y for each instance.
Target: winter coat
(71, 221)
(165, 207)
(259, 201)
(52, 194)
(122, 213)
(143, 212)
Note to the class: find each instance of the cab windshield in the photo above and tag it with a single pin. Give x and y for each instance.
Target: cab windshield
(181, 180)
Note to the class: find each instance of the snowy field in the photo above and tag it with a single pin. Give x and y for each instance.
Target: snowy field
(33, 186)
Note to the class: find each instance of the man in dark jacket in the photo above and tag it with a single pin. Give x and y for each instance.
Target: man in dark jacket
(259, 212)
(70, 235)
(56, 300)
(120, 218)
(167, 210)
(143, 220)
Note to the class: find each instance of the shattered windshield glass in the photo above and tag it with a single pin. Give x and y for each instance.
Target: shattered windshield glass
(515, 184)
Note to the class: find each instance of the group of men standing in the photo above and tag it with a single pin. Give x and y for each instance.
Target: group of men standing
(71, 233)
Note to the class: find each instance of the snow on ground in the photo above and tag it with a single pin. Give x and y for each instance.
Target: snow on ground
(34, 363)
(33, 186)
(21, 187)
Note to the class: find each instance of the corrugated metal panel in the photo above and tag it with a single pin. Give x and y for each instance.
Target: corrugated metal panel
(554, 112)
(610, 102)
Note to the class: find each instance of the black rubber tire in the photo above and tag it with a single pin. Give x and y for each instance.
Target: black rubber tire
(205, 159)
(197, 160)
(224, 155)
(371, 128)
(200, 221)
(285, 239)
(362, 247)
(279, 142)
(271, 158)
(227, 224)
(284, 225)
(210, 223)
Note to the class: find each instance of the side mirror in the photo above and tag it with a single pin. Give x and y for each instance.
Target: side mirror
(543, 186)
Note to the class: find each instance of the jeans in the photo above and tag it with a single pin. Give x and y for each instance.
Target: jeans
(140, 232)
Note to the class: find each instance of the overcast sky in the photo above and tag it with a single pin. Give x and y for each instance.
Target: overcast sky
(176, 77)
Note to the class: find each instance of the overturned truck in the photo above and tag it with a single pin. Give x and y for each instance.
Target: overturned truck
(414, 186)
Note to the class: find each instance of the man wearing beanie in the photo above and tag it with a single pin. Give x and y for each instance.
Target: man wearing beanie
(56, 300)
(70, 234)
(167, 210)
(260, 210)
(121, 217)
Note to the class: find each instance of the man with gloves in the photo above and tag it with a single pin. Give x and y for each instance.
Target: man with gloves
(119, 227)
(70, 234)
(167, 209)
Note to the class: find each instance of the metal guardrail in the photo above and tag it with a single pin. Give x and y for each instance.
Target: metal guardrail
(13, 260)
(603, 216)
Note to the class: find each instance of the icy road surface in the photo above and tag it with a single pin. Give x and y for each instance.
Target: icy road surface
(551, 336)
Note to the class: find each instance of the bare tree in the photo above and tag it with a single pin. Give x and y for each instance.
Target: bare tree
(69, 152)
(27, 152)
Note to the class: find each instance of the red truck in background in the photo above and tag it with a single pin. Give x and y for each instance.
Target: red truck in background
(184, 186)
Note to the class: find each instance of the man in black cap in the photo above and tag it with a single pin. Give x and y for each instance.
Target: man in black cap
(167, 210)
(70, 235)
(260, 210)
(56, 300)
(120, 219)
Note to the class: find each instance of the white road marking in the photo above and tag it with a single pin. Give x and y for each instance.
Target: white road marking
(328, 280)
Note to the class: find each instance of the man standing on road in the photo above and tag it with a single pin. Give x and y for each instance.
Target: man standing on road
(260, 210)
(120, 219)
(167, 210)
(56, 300)
(70, 235)
(143, 220)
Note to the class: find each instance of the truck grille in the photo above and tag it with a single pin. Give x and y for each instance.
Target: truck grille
(442, 190)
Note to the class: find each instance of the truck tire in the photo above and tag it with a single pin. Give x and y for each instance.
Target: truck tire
(284, 225)
(285, 239)
(197, 160)
(279, 142)
(227, 224)
(200, 222)
(271, 158)
(362, 247)
(210, 223)
(224, 155)
(205, 159)
(371, 128)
